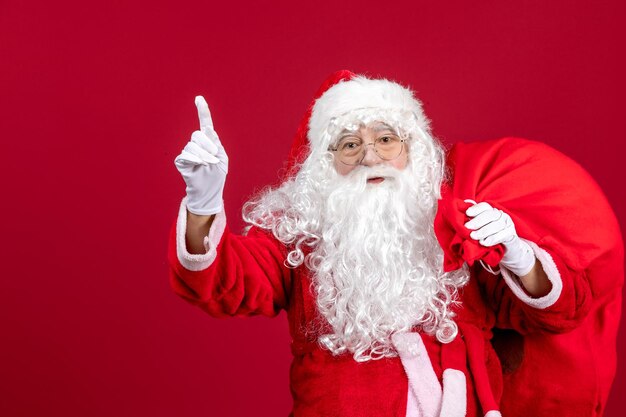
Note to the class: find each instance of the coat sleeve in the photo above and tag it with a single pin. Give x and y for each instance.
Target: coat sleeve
(238, 275)
(561, 310)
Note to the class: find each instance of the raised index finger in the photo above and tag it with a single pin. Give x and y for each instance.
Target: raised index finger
(206, 123)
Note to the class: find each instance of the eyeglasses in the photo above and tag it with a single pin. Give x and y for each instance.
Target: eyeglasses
(351, 149)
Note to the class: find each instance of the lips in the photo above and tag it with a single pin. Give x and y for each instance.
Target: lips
(375, 180)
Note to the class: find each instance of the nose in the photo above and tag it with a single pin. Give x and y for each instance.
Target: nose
(371, 158)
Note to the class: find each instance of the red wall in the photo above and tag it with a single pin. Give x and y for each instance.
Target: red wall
(96, 101)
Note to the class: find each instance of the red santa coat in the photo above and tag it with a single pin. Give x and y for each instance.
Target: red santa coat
(246, 275)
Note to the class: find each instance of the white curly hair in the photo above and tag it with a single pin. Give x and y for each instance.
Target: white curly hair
(376, 266)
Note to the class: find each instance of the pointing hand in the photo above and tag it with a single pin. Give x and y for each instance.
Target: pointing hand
(203, 163)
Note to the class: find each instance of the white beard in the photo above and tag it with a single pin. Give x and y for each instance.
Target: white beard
(377, 267)
(374, 274)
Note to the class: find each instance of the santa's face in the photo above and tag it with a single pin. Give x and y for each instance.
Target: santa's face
(366, 137)
(374, 258)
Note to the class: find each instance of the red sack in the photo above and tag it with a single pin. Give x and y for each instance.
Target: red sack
(555, 203)
(451, 231)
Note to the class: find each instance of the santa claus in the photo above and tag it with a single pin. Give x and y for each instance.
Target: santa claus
(347, 244)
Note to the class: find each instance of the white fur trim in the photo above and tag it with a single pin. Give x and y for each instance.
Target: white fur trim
(412, 406)
(454, 402)
(198, 262)
(549, 267)
(422, 378)
(360, 93)
(493, 413)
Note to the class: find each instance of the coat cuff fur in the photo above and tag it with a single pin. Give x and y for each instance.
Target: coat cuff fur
(198, 262)
(551, 271)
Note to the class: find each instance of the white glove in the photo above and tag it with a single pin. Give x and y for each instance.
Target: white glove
(492, 226)
(203, 163)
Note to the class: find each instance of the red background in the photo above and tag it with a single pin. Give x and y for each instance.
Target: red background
(96, 101)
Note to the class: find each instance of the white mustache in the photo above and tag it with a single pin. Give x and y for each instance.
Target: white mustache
(362, 174)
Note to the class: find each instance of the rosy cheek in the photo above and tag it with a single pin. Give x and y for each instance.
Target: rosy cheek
(342, 169)
(402, 161)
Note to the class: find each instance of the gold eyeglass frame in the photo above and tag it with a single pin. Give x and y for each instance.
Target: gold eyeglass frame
(364, 152)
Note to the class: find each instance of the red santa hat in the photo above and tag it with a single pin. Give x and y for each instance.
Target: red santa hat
(347, 99)
(361, 99)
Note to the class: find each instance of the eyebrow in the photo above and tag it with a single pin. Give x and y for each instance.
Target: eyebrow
(377, 128)
(383, 126)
